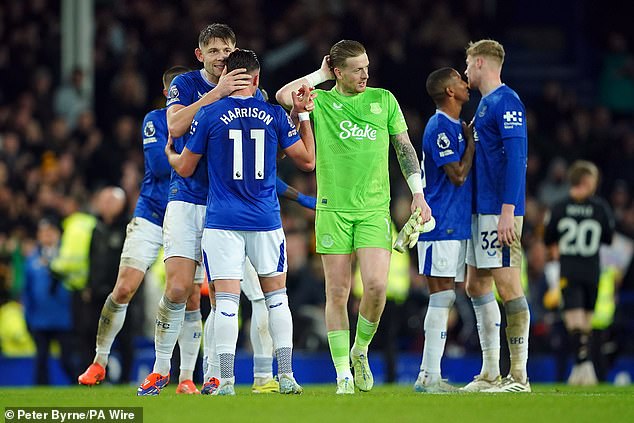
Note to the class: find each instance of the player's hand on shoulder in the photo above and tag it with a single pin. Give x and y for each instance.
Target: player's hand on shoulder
(232, 81)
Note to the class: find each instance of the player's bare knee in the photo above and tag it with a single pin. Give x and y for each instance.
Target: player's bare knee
(178, 291)
(128, 282)
(509, 291)
(123, 293)
(475, 290)
(338, 295)
(374, 291)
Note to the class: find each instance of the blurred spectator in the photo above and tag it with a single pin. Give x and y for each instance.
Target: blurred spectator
(47, 303)
(616, 85)
(555, 186)
(71, 99)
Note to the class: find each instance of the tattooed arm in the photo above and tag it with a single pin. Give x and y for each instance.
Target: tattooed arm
(410, 168)
(406, 154)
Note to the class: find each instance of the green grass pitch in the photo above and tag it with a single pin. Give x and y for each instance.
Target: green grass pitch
(385, 403)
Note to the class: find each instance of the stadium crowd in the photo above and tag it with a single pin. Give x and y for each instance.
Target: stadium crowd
(60, 145)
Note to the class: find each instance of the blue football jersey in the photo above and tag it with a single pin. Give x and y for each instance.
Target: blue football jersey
(451, 205)
(239, 137)
(500, 118)
(156, 179)
(186, 89)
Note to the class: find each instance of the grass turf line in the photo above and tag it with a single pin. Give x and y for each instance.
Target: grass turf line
(548, 403)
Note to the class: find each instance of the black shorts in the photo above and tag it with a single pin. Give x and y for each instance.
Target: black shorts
(577, 293)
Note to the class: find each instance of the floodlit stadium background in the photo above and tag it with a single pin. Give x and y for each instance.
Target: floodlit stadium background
(573, 70)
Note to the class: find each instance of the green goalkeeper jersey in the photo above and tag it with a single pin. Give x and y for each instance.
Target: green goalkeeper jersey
(353, 137)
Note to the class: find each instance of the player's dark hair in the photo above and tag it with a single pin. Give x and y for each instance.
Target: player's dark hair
(242, 59)
(582, 168)
(437, 82)
(172, 73)
(343, 50)
(216, 30)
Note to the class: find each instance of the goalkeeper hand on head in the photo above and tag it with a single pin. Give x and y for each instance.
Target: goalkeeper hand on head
(408, 236)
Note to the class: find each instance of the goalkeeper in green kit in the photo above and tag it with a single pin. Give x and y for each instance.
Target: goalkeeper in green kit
(354, 125)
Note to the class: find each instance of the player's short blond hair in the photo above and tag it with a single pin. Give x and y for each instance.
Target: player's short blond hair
(582, 168)
(487, 48)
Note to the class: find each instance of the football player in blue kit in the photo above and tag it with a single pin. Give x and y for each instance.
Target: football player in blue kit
(144, 235)
(447, 157)
(239, 136)
(185, 213)
(494, 252)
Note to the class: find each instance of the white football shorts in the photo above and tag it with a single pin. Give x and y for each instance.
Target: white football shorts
(443, 259)
(143, 240)
(225, 252)
(182, 230)
(485, 251)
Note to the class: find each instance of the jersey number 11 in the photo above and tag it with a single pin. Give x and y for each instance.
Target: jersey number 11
(257, 135)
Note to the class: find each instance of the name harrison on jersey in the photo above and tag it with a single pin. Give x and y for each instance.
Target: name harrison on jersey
(243, 112)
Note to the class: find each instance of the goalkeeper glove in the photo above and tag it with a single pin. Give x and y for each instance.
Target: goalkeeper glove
(408, 236)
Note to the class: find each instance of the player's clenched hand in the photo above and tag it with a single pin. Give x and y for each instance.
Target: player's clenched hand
(418, 202)
(408, 236)
(232, 81)
(506, 227)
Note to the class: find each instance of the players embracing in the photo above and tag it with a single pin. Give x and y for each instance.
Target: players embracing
(239, 137)
(494, 250)
(447, 156)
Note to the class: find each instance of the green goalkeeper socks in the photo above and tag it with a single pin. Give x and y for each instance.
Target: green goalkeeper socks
(365, 333)
(339, 342)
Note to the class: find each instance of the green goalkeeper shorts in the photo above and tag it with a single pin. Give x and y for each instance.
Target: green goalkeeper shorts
(342, 232)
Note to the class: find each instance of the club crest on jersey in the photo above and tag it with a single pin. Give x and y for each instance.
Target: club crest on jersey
(482, 111)
(375, 108)
(149, 129)
(337, 106)
(512, 118)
